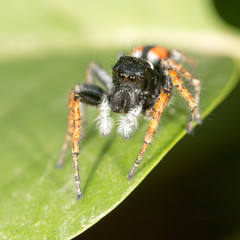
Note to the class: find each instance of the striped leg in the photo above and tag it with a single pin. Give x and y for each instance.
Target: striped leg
(177, 81)
(95, 69)
(76, 116)
(177, 55)
(189, 77)
(158, 110)
(82, 93)
(74, 124)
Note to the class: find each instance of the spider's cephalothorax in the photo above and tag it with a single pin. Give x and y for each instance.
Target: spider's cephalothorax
(140, 83)
(133, 80)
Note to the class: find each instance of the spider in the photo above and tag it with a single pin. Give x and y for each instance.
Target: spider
(141, 83)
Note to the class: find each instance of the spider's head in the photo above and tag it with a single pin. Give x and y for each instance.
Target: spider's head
(131, 76)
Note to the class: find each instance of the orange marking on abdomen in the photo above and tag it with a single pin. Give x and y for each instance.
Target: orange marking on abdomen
(161, 52)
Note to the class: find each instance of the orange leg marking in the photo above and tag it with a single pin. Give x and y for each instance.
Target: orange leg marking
(76, 116)
(74, 125)
(189, 77)
(177, 81)
(158, 110)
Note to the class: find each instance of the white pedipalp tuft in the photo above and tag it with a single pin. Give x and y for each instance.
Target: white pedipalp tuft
(128, 124)
(104, 121)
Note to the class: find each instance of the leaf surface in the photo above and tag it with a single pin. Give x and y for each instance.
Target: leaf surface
(38, 201)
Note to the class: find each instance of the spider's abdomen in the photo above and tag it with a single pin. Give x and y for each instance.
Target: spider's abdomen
(152, 54)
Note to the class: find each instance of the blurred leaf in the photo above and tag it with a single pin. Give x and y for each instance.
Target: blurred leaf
(38, 200)
(43, 26)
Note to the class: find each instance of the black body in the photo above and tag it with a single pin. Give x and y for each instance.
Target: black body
(135, 81)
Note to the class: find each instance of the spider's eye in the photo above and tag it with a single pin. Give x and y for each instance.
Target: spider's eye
(132, 77)
(120, 74)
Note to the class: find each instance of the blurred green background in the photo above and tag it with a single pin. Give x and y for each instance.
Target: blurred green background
(194, 192)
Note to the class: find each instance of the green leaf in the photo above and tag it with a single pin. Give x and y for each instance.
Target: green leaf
(45, 47)
(37, 200)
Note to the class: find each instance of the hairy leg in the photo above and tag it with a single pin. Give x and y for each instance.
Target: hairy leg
(88, 94)
(168, 63)
(94, 69)
(157, 112)
(178, 83)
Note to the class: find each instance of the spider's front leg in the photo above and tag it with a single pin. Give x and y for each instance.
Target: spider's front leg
(89, 94)
(76, 118)
(157, 112)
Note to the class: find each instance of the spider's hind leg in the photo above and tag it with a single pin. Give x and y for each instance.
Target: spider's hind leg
(178, 83)
(180, 56)
(170, 64)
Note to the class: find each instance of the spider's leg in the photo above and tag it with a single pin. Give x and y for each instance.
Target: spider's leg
(157, 112)
(94, 69)
(76, 117)
(177, 81)
(177, 55)
(168, 63)
(89, 94)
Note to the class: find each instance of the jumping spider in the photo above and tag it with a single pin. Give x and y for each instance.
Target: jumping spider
(140, 83)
